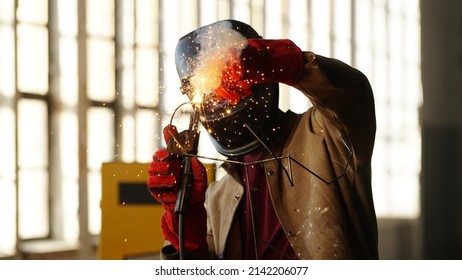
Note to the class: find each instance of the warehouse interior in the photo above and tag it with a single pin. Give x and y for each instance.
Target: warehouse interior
(87, 86)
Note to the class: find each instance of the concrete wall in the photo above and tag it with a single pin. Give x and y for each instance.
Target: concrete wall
(441, 120)
(438, 233)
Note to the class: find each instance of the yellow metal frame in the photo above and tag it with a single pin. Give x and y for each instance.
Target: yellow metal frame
(127, 230)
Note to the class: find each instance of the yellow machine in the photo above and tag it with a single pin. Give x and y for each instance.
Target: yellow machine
(130, 225)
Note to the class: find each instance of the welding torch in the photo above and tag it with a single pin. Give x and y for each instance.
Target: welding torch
(189, 148)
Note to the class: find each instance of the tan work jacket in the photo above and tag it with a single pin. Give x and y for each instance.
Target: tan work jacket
(323, 199)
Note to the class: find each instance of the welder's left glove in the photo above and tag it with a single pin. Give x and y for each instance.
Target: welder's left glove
(262, 61)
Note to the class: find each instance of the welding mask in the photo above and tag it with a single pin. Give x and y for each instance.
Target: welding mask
(237, 129)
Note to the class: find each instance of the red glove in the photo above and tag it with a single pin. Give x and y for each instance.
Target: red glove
(262, 61)
(164, 172)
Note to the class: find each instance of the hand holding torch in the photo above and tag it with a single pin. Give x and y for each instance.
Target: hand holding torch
(186, 144)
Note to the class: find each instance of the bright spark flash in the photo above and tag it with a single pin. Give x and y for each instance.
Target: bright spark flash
(217, 43)
(198, 98)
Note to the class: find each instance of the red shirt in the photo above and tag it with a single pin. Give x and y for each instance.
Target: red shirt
(266, 240)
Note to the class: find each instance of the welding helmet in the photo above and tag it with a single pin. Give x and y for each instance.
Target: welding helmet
(234, 129)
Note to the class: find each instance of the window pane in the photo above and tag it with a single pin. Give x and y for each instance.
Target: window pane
(35, 11)
(128, 78)
(32, 134)
(33, 164)
(379, 40)
(171, 26)
(241, 10)
(396, 40)
(33, 203)
(32, 59)
(7, 87)
(100, 139)
(208, 11)
(6, 11)
(146, 22)
(126, 34)
(7, 216)
(396, 82)
(68, 139)
(363, 24)
(342, 30)
(100, 144)
(69, 175)
(273, 26)
(342, 19)
(128, 139)
(7, 182)
(320, 14)
(94, 199)
(147, 77)
(100, 18)
(298, 101)
(68, 85)
(298, 23)
(224, 9)
(101, 71)
(147, 134)
(70, 195)
(7, 143)
(67, 19)
(172, 94)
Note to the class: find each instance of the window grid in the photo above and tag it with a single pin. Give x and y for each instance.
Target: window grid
(32, 108)
(8, 175)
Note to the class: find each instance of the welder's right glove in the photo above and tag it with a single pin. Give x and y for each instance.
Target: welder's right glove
(261, 61)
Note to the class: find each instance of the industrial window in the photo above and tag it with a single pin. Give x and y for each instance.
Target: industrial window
(382, 39)
(86, 82)
(78, 88)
